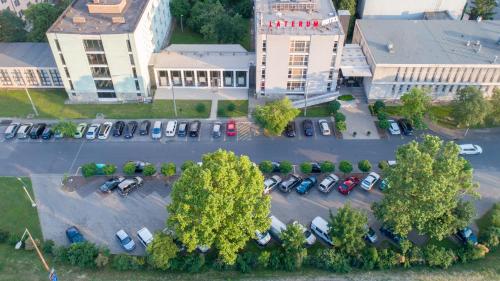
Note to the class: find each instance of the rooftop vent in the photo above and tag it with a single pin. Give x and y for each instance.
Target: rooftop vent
(390, 47)
(468, 43)
(77, 20)
(117, 19)
(106, 6)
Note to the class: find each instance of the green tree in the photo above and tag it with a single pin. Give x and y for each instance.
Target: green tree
(306, 167)
(349, 5)
(274, 116)
(266, 166)
(40, 17)
(364, 166)
(188, 164)
(348, 230)
(129, 168)
(168, 169)
(149, 170)
(383, 124)
(494, 116)
(345, 166)
(89, 169)
(180, 7)
(439, 256)
(339, 116)
(293, 243)
(327, 167)
(11, 27)
(162, 250)
(286, 167)
(82, 254)
(109, 169)
(227, 29)
(426, 189)
(416, 104)
(244, 8)
(379, 106)
(341, 126)
(204, 15)
(482, 8)
(219, 204)
(470, 108)
(334, 106)
(67, 128)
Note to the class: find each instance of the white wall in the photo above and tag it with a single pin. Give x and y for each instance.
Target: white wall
(407, 9)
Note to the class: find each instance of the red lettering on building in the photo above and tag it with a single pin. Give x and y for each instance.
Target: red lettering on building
(308, 23)
(278, 24)
(293, 23)
(315, 23)
(270, 24)
(300, 23)
(286, 23)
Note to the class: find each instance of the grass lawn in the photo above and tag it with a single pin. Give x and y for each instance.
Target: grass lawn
(240, 110)
(320, 110)
(50, 105)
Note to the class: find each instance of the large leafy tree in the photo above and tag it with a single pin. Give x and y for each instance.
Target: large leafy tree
(348, 229)
(162, 250)
(494, 115)
(425, 191)
(482, 8)
(416, 104)
(11, 27)
(293, 243)
(229, 29)
(274, 116)
(219, 204)
(40, 17)
(180, 7)
(470, 108)
(204, 15)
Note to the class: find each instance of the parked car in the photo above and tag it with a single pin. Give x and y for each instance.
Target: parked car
(316, 167)
(80, 130)
(37, 130)
(371, 235)
(306, 185)
(276, 167)
(384, 184)
(117, 129)
(125, 241)
(128, 185)
(231, 128)
(393, 127)
(171, 128)
(327, 183)
(310, 238)
(144, 128)
(470, 149)
(130, 129)
(406, 127)
(290, 183)
(11, 131)
(324, 127)
(157, 130)
(139, 165)
(277, 227)
(290, 129)
(466, 235)
(348, 185)
(58, 134)
(47, 133)
(370, 181)
(194, 128)
(183, 128)
(217, 130)
(109, 185)
(391, 235)
(203, 248)
(24, 130)
(308, 127)
(92, 131)
(271, 183)
(320, 227)
(104, 130)
(262, 238)
(74, 235)
(145, 236)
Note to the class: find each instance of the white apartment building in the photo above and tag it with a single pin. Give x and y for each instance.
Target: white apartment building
(440, 56)
(298, 47)
(18, 6)
(408, 9)
(102, 47)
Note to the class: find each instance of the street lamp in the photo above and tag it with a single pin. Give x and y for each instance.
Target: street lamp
(33, 204)
(182, 26)
(52, 272)
(306, 95)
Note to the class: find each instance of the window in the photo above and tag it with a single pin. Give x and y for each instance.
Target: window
(334, 59)
(56, 78)
(66, 72)
(18, 77)
(104, 84)
(44, 77)
(106, 95)
(57, 45)
(62, 59)
(264, 59)
(100, 72)
(330, 74)
(97, 59)
(241, 78)
(134, 72)
(188, 78)
(215, 78)
(93, 45)
(137, 86)
(329, 86)
(295, 86)
(129, 47)
(228, 78)
(264, 45)
(30, 77)
(176, 78)
(297, 73)
(393, 90)
(299, 46)
(163, 78)
(131, 59)
(71, 85)
(263, 73)
(335, 46)
(5, 78)
(298, 60)
(202, 78)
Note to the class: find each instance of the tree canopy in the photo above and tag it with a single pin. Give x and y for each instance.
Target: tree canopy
(67, 128)
(40, 17)
(482, 8)
(416, 104)
(348, 229)
(494, 114)
(293, 241)
(11, 27)
(275, 115)
(180, 7)
(219, 204)
(470, 108)
(425, 190)
(162, 250)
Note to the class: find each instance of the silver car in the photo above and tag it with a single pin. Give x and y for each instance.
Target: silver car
(326, 184)
(394, 127)
(24, 130)
(125, 241)
(11, 131)
(324, 128)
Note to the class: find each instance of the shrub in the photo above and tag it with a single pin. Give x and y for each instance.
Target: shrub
(149, 170)
(383, 124)
(187, 164)
(382, 116)
(438, 256)
(378, 106)
(200, 107)
(369, 258)
(372, 111)
(364, 166)
(129, 168)
(109, 169)
(341, 126)
(4, 236)
(168, 169)
(286, 167)
(102, 259)
(346, 98)
(345, 166)
(60, 254)
(266, 166)
(306, 167)
(491, 237)
(231, 107)
(221, 112)
(334, 106)
(382, 165)
(194, 262)
(275, 260)
(126, 262)
(263, 259)
(339, 116)
(329, 259)
(327, 167)
(47, 247)
(246, 262)
(29, 246)
(82, 254)
(89, 170)
(13, 239)
(388, 258)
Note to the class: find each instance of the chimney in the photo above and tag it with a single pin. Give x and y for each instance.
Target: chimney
(344, 18)
(390, 47)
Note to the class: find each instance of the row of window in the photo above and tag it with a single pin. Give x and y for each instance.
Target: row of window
(186, 78)
(443, 89)
(452, 75)
(30, 77)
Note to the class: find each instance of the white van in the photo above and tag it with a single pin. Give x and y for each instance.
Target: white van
(171, 128)
(320, 227)
(145, 236)
(277, 227)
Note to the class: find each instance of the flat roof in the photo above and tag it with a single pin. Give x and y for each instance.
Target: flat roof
(354, 62)
(98, 23)
(26, 54)
(432, 41)
(203, 56)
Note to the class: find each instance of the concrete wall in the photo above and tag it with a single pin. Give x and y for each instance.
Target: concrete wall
(407, 9)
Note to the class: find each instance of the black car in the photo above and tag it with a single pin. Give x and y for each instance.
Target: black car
(406, 127)
(316, 167)
(182, 129)
(391, 235)
(118, 128)
(37, 130)
(308, 127)
(194, 128)
(74, 235)
(144, 128)
(111, 184)
(47, 133)
(290, 129)
(276, 167)
(139, 165)
(130, 128)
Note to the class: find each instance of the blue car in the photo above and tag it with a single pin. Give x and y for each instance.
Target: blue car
(467, 236)
(306, 185)
(74, 235)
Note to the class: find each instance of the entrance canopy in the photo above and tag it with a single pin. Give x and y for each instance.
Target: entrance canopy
(354, 62)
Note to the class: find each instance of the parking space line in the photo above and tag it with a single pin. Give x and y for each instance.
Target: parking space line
(76, 156)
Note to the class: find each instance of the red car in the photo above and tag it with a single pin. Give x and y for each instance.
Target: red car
(231, 128)
(348, 185)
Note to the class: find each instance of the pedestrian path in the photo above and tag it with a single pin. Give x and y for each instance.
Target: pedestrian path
(213, 109)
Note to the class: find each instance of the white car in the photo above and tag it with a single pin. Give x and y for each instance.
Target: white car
(145, 236)
(326, 184)
(391, 162)
(156, 132)
(262, 238)
(203, 248)
(92, 131)
(271, 183)
(370, 181)
(394, 127)
(310, 238)
(80, 130)
(324, 128)
(470, 149)
(24, 130)
(104, 130)
(171, 128)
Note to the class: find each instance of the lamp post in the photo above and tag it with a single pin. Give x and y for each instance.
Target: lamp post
(33, 204)
(182, 26)
(306, 95)
(52, 272)
(173, 98)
